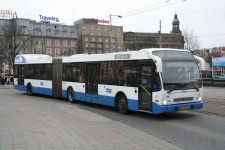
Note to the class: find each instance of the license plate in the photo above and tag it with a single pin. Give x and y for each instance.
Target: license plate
(184, 107)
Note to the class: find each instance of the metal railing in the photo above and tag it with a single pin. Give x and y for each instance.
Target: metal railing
(214, 82)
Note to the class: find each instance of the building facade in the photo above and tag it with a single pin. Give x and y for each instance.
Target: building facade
(46, 37)
(42, 37)
(137, 40)
(98, 38)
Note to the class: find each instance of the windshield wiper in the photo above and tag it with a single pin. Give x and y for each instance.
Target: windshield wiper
(194, 86)
(170, 90)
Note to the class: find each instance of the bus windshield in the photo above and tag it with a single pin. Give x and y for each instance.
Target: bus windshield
(181, 75)
(180, 70)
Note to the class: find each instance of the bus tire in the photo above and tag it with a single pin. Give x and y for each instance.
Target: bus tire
(70, 95)
(122, 104)
(29, 90)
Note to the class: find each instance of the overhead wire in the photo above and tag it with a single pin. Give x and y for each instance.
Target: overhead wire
(142, 11)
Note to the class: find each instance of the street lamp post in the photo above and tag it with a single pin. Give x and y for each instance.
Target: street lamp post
(110, 16)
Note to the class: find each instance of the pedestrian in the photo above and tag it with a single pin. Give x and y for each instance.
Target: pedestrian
(8, 80)
(11, 79)
(5, 80)
(2, 81)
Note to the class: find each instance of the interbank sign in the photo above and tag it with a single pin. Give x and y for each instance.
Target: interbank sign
(7, 13)
(46, 18)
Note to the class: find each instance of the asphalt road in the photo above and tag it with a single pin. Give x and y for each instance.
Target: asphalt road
(214, 100)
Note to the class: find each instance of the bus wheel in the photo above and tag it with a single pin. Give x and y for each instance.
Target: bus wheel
(122, 104)
(70, 95)
(29, 90)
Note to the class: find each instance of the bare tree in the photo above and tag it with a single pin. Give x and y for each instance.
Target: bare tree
(191, 40)
(14, 39)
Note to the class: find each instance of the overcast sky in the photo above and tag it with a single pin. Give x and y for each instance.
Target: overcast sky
(206, 18)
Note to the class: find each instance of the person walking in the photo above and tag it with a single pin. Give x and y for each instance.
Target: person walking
(2, 81)
(7, 80)
(11, 80)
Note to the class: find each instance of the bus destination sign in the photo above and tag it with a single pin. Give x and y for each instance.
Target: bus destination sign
(171, 55)
(122, 56)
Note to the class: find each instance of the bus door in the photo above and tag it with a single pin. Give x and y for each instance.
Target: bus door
(145, 90)
(91, 83)
(21, 72)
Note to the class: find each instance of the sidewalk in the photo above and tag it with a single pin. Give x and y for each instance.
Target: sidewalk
(32, 123)
(6, 86)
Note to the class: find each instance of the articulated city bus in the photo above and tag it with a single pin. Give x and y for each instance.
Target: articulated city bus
(149, 80)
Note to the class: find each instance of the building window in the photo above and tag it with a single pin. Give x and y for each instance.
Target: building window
(99, 51)
(49, 42)
(64, 43)
(49, 51)
(83, 27)
(113, 41)
(99, 45)
(118, 35)
(99, 27)
(56, 32)
(48, 32)
(106, 45)
(38, 51)
(72, 51)
(83, 33)
(107, 40)
(65, 52)
(100, 40)
(92, 39)
(105, 28)
(86, 39)
(99, 34)
(92, 27)
(64, 34)
(72, 34)
(118, 29)
(73, 44)
(57, 52)
(92, 45)
(86, 44)
(56, 42)
(92, 33)
(37, 32)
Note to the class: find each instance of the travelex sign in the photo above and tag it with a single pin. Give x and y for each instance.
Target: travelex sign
(49, 18)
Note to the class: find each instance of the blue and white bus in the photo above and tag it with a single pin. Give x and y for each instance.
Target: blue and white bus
(149, 80)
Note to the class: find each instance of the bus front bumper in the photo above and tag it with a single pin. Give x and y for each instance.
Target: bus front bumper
(158, 109)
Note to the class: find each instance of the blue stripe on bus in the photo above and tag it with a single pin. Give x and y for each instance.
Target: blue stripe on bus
(38, 90)
(157, 109)
(45, 91)
(132, 104)
(101, 99)
(109, 101)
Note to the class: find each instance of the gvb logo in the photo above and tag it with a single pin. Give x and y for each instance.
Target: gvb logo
(108, 90)
(42, 83)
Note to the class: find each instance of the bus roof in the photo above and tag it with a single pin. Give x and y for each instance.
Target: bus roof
(126, 55)
(32, 59)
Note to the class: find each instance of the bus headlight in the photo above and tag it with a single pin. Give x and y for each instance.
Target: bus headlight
(166, 102)
(199, 99)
